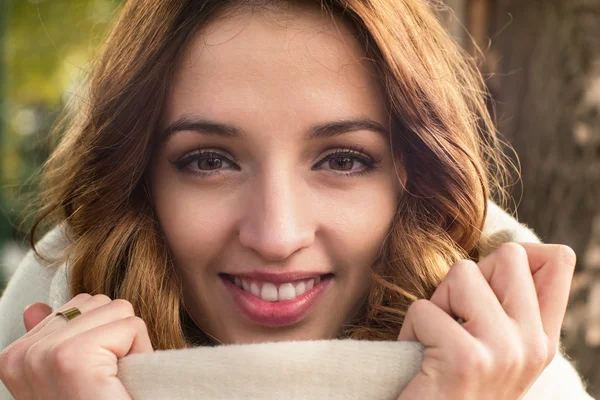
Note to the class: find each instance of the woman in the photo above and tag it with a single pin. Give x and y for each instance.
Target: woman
(260, 171)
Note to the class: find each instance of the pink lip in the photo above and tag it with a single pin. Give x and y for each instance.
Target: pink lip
(275, 314)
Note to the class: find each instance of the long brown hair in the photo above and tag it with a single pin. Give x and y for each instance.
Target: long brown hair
(442, 132)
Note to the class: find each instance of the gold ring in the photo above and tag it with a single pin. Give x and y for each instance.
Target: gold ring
(70, 313)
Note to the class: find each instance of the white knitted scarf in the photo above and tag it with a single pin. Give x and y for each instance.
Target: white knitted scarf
(322, 369)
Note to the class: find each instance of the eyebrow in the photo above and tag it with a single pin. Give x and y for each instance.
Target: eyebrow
(328, 129)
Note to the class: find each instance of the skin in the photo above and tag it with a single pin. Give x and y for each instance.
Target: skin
(512, 302)
(274, 82)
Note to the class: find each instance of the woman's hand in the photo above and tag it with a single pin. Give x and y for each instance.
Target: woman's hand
(57, 359)
(512, 304)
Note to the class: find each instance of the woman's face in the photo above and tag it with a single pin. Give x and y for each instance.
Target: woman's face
(275, 185)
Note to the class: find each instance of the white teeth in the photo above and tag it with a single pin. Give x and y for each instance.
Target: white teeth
(286, 292)
(300, 288)
(309, 284)
(269, 292)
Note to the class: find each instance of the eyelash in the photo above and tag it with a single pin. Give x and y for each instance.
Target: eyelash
(353, 152)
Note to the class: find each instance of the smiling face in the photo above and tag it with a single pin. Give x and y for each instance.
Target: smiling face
(275, 185)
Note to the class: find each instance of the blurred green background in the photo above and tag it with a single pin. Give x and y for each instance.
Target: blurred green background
(541, 61)
(45, 48)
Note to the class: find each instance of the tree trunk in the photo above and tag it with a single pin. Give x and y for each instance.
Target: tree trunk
(547, 89)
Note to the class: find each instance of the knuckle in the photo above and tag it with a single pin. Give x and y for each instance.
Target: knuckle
(511, 251)
(82, 296)
(10, 360)
(64, 358)
(101, 299)
(566, 255)
(509, 359)
(474, 361)
(461, 269)
(538, 354)
(417, 306)
(123, 306)
(10, 356)
(137, 323)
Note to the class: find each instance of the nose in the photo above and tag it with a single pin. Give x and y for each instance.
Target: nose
(277, 221)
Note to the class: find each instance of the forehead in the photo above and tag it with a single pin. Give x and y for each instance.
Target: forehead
(294, 61)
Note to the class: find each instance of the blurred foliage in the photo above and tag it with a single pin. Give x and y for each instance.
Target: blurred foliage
(47, 45)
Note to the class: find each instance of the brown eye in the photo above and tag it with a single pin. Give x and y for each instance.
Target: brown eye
(341, 163)
(209, 163)
(347, 162)
(205, 162)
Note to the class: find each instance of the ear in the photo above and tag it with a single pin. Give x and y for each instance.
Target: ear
(34, 314)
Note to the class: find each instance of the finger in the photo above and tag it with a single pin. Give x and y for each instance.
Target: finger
(34, 314)
(425, 322)
(101, 347)
(435, 329)
(465, 293)
(552, 267)
(53, 322)
(120, 337)
(113, 311)
(74, 302)
(509, 275)
(18, 348)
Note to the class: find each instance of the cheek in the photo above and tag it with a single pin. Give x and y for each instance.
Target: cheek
(361, 230)
(196, 223)
(364, 220)
(357, 228)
